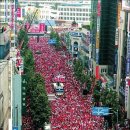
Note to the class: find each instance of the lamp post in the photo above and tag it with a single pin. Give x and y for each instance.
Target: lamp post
(116, 113)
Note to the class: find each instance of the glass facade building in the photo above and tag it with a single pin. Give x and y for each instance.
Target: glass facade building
(107, 34)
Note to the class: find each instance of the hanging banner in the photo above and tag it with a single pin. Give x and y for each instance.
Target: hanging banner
(12, 15)
(99, 8)
(18, 12)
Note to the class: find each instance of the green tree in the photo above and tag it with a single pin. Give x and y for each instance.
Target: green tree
(40, 109)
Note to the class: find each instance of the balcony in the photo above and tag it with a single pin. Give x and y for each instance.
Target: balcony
(126, 5)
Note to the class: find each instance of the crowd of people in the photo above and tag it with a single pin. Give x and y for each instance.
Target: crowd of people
(71, 111)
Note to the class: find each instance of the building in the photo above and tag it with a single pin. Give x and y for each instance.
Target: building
(103, 32)
(81, 13)
(5, 13)
(4, 42)
(85, 51)
(123, 68)
(57, 10)
(5, 94)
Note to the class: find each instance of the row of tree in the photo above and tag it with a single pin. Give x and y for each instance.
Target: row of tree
(107, 97)
(35, 88)
(81, 75)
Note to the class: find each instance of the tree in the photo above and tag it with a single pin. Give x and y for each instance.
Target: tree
(32, 16)
(40, 109)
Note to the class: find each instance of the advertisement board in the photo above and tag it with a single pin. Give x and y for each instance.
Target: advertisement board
(36, 28)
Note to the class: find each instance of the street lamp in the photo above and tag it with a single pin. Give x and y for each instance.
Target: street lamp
(116, 113)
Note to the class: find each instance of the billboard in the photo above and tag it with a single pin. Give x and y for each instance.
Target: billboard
(36, 28)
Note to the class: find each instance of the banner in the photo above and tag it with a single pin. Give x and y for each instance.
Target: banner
(18, 12)
(97, 73)
(42, 27)
(12, 16)
(126, 92)
(99, 8)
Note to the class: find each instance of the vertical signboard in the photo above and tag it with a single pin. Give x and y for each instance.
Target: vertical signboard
(118, 17)
(99, 8)
(98, 30)
(18, 12)
(41, 27)
(97, 72)
(126, 91)
(12, 15)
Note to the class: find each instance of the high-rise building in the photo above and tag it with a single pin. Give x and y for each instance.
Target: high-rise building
(103, 28)
(107, 34)
(123, 43)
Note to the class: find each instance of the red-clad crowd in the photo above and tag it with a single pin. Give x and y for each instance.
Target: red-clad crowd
(71, 111)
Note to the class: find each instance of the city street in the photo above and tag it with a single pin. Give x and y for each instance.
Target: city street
(70, 111)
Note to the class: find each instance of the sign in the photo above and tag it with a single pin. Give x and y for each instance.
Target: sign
(12, 15)
(118, 17)
(99, 8)
(116, 37)
(18, 12)
(97, 56)
(52, 41)
(97, 40)
(126, 91)
(37, 28)
(100, 111)
(97, 72)
(125, 5)
(98, 24)
(15, 128)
